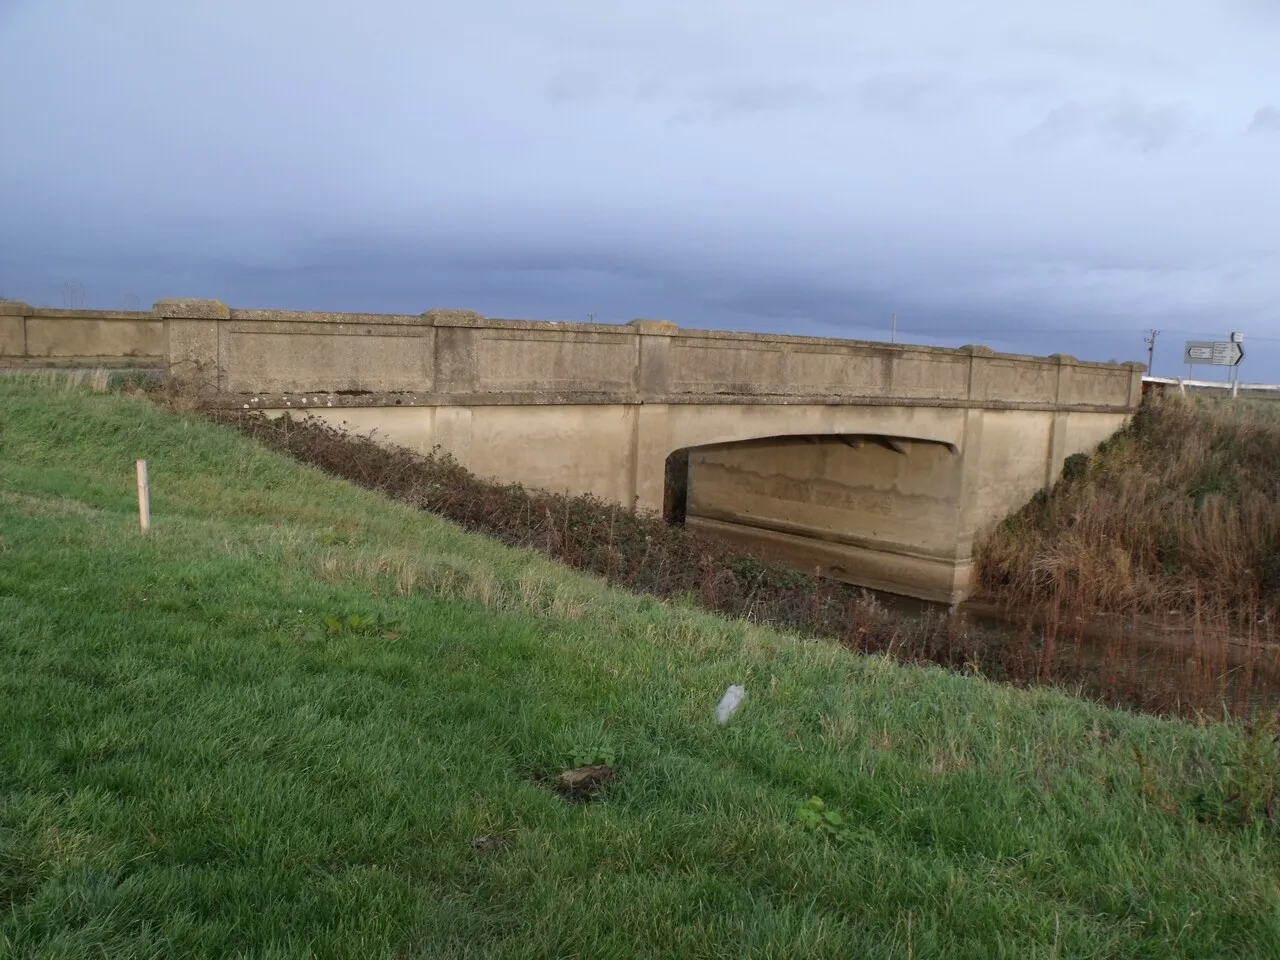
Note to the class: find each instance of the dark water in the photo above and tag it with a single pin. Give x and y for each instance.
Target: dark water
(1170, 665)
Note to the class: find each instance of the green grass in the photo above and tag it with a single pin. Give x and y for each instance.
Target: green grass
(192, 763)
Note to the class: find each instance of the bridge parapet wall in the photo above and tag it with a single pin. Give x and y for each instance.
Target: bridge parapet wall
(51, 337)
(446, 357)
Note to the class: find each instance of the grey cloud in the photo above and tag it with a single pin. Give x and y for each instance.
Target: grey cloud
(740, 99)
(567, 86)
(1266, 120)
(1122, 123)
(933, 93)
(762, 97)
(903, 94)
(910, 93)
(929, 94)
(650, 88)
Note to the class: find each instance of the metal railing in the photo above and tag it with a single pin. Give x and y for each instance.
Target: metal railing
(1233, 388)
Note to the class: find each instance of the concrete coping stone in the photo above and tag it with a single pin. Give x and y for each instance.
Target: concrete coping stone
(120, 316)
(14, 308)
(449, 317)
(644, 325)
(186, 309)
(336, 319)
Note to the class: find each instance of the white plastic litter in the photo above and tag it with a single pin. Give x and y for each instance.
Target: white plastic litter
(730, 702)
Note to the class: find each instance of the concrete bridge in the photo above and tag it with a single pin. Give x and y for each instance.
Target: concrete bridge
(874, 463)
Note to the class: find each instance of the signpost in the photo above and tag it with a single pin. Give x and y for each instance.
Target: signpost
(1219, 353)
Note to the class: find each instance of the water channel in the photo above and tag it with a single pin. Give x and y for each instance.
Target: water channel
(1167, 664)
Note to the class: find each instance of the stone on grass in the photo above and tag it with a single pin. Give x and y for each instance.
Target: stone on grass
(584, 782)
(489, 843)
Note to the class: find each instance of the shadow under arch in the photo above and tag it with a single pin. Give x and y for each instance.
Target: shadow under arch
(675, 487)
(675, 498)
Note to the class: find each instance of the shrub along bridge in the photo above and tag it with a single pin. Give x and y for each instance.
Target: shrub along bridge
(874, 463)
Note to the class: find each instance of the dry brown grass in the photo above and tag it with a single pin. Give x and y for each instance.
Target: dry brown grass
(1179, 514)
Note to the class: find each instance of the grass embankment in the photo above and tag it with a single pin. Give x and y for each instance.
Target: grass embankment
(1178, 513)
(193, 763)
(642, 553)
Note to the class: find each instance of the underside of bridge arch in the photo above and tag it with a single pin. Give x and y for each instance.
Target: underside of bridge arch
(877, 510)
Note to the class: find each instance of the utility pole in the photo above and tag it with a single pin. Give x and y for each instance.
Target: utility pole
(893, 335)
(1150, 341)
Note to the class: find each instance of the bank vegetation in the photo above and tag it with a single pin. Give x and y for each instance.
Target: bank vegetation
(1176, 516)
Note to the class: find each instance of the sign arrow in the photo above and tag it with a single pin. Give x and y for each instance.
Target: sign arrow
(1226, 354)
(1220, 353)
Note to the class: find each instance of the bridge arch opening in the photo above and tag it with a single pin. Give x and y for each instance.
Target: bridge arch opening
(675, 500)
(866, 508)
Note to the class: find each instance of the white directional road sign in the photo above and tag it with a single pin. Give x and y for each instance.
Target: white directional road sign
(1227, 354)
(1220, 353)
(1199, 351)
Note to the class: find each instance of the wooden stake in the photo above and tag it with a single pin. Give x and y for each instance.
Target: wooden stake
(144, 496)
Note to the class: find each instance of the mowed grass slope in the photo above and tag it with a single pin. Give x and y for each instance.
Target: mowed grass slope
(193, 764)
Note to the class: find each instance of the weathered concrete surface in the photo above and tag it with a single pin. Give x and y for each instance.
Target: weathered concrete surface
(873, 462)
(38, 336)
(827, 502)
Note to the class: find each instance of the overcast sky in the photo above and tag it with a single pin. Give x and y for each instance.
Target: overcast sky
(1037, 177)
